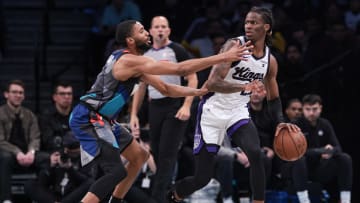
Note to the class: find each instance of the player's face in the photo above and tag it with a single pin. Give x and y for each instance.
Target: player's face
(312, 112)
(160, 29)
(141, 37)
(255, 27)
(15, 96)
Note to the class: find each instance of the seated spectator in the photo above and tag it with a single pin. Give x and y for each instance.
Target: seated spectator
(324, 160)
(293, 110)
(64, 181)
(19, 138)
(54, 122)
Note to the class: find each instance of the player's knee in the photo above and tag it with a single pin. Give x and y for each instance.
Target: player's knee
(139, 158)
(118, 172)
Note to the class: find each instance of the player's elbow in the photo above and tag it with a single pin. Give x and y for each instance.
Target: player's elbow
(211, 84)
(182, 70)
(165, 90)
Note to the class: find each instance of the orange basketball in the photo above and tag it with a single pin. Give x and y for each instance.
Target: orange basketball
(290, 146)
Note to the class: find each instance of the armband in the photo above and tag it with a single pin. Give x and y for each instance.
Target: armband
(275, 109)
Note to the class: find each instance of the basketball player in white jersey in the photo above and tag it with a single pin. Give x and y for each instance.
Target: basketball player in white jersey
(224, 112)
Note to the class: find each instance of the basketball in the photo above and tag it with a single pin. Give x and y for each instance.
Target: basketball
(290, 146)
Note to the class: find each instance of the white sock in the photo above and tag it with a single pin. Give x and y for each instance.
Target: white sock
(228, 200)
(303, 196)
(345, 196)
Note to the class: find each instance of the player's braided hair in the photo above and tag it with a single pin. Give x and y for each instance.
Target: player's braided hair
(267, 17)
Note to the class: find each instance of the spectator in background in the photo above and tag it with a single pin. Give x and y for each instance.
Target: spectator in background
(116, 12)
(54, 122)
(293, 110)
(291, 73)
(324, 160)
(199, 27)
(352, 15)
(19, 138)
(64, 181)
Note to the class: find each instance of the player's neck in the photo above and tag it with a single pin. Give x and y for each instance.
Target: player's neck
(259, 48)
(134, 51)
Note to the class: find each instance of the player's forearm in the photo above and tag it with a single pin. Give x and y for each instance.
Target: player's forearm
(223, 86)
(194, 65)
(178, 91)
(192, 83)
(138, 99)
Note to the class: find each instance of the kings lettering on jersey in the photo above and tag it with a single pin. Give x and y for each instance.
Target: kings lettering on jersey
(245, 74)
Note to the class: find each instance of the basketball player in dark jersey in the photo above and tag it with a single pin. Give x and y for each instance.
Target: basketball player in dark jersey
(93, 120)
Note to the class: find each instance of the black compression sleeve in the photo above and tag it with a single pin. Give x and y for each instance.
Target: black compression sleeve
(275, 109)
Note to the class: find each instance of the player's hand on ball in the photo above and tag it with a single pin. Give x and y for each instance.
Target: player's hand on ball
(292, 128)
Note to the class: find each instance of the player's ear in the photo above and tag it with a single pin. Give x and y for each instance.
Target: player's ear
(130, 40)
(267, 27)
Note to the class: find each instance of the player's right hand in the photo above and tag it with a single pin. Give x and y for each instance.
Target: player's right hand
(202, 91)
(238, 52)
(292, 128)
(135, 126)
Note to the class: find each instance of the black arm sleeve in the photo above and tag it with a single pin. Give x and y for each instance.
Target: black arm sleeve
(275, 109)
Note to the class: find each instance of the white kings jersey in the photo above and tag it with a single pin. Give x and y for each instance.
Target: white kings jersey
(242, 72)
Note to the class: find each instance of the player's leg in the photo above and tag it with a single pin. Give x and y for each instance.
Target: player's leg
(92, 131)
(246, 137)
(108, 161)
(204, 171)
(136, 156)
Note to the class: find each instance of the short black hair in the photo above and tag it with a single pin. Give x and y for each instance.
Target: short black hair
(62, 84)
(124, 30)
(291, 101)
(312, 99)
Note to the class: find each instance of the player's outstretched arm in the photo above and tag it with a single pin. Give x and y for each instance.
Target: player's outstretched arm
(171, 90)
(131, 65)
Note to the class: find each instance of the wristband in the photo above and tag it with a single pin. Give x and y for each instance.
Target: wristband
(275, 109)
